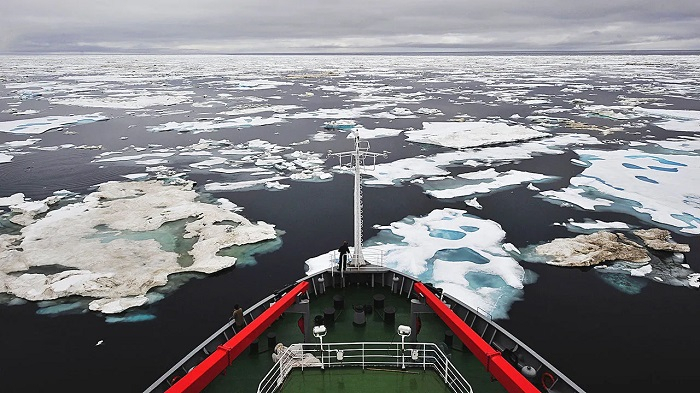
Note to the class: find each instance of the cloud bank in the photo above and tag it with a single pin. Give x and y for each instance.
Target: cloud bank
(218, 26)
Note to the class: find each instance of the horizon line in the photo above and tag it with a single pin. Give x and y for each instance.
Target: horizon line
(374, 53)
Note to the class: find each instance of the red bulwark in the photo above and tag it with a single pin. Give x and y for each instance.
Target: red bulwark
(205, 372)
(504, 372)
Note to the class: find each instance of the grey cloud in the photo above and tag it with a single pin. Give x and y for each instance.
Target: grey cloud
(360, 25)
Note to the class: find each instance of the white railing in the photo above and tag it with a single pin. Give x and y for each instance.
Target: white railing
(364, 355)
(375, 257)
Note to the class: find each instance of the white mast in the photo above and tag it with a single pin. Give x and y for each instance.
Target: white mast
(357, 159)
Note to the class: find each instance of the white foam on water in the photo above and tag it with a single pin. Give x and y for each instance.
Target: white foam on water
(39, 125)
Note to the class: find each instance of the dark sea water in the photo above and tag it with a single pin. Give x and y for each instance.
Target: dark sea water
(604, 339)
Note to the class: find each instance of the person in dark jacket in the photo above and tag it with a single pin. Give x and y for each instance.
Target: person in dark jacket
(344, 252)
(238, 317)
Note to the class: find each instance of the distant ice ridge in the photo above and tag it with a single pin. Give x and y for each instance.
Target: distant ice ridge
(40, 125)
(121, 244)
(472, 133)
(660, 188)
(458, 252)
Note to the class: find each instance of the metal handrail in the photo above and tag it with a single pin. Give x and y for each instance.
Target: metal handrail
(364, 354)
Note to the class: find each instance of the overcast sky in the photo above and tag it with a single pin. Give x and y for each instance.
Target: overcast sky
(238, 26)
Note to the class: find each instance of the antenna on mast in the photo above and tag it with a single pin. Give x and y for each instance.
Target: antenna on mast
(357, 162)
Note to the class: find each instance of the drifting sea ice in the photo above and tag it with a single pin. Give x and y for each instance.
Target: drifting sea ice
(39, 125)
(395, 172)
(674, 120)
(590, 226)
(660, 188)
(479, 183)
(471, 133)
(124, 99)
(214, 125)
(458, 252)
(113, 231)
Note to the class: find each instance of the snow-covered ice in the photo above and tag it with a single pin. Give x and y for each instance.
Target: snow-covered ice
(458, 252)
(117, 247)
(39, 125)
(660, 188)
(480, 183)
(215, 125)
(472, 133)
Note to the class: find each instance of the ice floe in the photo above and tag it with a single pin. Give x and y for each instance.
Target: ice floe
(124, 99)
(673, 119)
(589, 226)
(215, 125)
(472, 133)
(388, 173)
(39, 125)
(458, 252)
(5, 158)
(621, 260)
(661, 188)
(121, 244)
(374, 133)
(593, 249)
(479, 183)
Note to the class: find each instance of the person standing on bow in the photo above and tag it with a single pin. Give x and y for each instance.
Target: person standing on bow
(344, 252)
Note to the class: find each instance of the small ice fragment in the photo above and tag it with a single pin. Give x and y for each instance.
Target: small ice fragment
(511, 248)
(99, 342)
(473, 203)
(694, 280)
(532, 187)
(642, 271)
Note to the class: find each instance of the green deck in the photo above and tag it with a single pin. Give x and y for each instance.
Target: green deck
(368, 380)
(248, 369)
